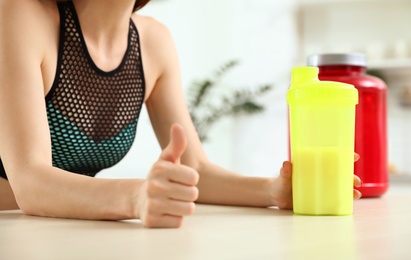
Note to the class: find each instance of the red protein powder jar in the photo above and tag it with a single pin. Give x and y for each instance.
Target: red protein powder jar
(371, 116)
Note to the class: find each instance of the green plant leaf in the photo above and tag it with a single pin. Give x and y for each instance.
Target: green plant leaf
(206, 108)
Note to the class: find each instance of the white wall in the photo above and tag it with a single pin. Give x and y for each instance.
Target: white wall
(262, 35)
(375, 27)
(265, 36)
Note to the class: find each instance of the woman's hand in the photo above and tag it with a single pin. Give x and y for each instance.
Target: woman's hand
(357, 180)
(283, 186)
(169, 192)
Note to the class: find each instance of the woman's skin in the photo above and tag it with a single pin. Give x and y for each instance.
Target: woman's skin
(181, 176)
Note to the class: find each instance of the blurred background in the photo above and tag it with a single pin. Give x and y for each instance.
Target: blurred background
(268, 38)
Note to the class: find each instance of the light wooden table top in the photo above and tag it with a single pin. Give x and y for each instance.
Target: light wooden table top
(379, 229)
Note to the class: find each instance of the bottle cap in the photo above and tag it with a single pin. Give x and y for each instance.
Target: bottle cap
(308, 89)
(355, 59)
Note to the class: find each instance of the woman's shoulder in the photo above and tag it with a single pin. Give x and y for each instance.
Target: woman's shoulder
(27, 8)
(157, 47)
(30, 21)
(30, 14)
(151, 30)
(147, 22)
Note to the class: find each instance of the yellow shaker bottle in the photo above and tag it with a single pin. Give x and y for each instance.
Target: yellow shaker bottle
(322, 125)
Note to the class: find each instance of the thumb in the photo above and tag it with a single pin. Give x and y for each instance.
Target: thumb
(176, 146)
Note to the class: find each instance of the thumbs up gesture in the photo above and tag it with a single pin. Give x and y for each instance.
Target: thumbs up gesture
(169, 192)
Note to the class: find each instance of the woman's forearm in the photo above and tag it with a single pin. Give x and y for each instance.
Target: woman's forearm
(219, 186)
(49, 191)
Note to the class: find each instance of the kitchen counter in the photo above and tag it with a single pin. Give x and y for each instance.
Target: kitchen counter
(379, 229)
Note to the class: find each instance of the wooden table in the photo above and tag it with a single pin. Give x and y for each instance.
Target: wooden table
(379, 229)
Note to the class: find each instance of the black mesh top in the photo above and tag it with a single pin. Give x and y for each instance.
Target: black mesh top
(92, 114)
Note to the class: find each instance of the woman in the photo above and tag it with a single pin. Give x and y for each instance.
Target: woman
(74, 76)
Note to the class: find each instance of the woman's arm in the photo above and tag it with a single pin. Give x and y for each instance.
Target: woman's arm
(25, 146)
(166, 105)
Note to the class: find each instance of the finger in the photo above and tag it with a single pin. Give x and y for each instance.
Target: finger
(183, 174)
(178, 208)
(165, 221)
(286, 169)
(357, 181)
(357, 194)
(182, 192)
(176, 145)
(356, 157)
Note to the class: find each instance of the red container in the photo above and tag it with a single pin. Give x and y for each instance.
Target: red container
(371, 116)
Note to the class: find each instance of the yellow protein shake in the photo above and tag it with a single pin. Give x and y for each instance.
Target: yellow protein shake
(322, 123)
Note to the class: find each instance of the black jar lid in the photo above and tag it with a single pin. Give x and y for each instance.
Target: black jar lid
(355, 59)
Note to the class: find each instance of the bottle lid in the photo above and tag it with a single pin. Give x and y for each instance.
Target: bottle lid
(355, 59)
(306, 88)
